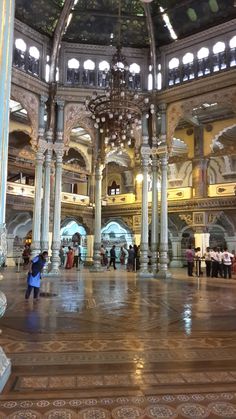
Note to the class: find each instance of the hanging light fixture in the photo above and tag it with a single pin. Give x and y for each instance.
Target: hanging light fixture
(116, 111)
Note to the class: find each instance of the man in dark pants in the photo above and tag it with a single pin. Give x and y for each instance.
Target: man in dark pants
(190, 260)
(34, 275)
(113, 257)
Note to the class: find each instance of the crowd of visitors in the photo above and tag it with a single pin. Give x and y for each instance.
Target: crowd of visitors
(219, 262)
(70, 256)
(128, 258)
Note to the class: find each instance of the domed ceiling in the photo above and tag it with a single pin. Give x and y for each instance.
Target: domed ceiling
(96, 21)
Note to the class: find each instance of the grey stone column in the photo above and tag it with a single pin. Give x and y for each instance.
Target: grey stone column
(39, 158)
(163, 270)
(145, 156)
(97, 218)
(177, 261)
(46, 201)
(199, 164)
(155, 216)
(6, 44)
(163, 155)
(56, 234)
(36, 227)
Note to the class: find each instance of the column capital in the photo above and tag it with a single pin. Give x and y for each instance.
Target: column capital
(145, 152)
(162, 107)
(59, 136)
(60, 104)
(42, 146)
(49, 135)
(155, 161)
(42, 100)
(163, 152)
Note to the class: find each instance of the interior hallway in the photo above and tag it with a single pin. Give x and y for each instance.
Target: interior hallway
(109, 345)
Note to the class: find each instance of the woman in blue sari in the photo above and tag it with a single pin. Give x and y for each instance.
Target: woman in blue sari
(34, 275)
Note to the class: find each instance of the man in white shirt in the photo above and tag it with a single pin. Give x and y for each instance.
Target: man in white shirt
(227, 262)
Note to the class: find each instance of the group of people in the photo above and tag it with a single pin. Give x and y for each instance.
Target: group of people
(219, 262)
(70, 257)
(127, 257)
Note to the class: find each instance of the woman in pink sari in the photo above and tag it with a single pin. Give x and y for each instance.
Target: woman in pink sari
(70, 258)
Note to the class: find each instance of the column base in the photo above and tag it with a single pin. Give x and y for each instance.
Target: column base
(95, 268)
(145, 274)
(163, 274)
(176, 264)
(53, 272)
(5, 369)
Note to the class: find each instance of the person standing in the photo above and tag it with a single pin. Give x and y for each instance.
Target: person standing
(26, 255)
(190, 260)
(34, 275)
(207, 257)
(131, 256)
(70, 258)
(76, 256)
(113, 257)
(227, 258)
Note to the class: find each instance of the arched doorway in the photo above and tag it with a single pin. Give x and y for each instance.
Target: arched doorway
(73, 233)
(118, 234)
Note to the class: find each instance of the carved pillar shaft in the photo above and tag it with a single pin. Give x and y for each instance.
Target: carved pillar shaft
(155, 215)
(46, 202)
(145, 155)
(36, 227)
(56, 235)
(98, 217)
(164, 219)
(163, 271)
(200, 164)
(6, 45)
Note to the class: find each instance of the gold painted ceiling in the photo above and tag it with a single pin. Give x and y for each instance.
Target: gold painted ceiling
(96, 21)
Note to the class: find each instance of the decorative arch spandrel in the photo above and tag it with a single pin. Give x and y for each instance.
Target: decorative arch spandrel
(30, 103)
(77, 115)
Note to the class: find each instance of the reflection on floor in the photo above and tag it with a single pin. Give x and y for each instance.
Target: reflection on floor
(110, 345)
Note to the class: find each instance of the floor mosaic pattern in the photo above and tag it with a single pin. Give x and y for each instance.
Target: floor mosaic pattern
(111, 345)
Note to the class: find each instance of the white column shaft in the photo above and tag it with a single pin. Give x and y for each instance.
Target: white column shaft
(46, 202)
(97, 218)
(36, 228)
(155, 219)
(56, 237)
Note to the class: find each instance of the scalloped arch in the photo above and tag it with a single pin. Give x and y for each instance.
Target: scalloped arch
(77, 115)
(30, 102)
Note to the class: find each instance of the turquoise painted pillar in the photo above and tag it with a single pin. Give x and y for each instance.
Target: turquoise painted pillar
(7, 9)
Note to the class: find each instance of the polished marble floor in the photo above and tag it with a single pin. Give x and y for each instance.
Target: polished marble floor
(111, 345)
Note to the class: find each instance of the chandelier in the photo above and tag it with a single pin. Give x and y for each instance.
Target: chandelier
(117, 111)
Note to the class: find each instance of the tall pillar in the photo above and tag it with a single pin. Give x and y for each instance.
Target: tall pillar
(46, 202)
(163, 155)
(202, 239)
(97, 218)
(56, 234)
(36, 227)
(176, 261)
(155, 215)
(200, 164)
(39, 157)
(6, 45)
(145, 155)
